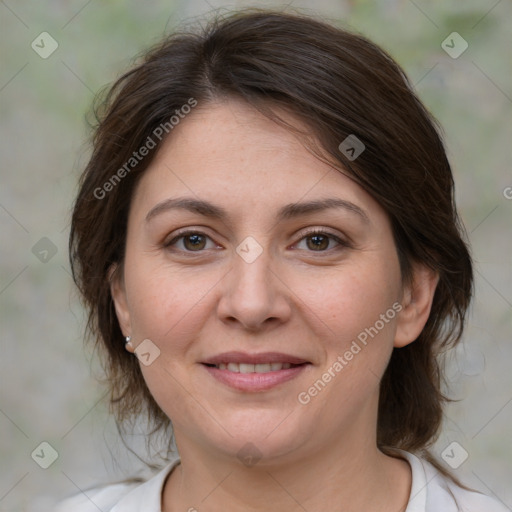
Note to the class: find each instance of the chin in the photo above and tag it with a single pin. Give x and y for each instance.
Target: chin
(265, 436)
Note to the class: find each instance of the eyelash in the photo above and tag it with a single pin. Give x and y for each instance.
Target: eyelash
(341, 243)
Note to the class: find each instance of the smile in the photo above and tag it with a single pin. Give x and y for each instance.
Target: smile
(253, 380)
(253, 368)
(254, 372)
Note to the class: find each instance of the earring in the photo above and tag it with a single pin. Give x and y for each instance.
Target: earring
(128, 343)
(127, 339)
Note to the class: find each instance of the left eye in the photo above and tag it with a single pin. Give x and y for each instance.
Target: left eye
(319, 241)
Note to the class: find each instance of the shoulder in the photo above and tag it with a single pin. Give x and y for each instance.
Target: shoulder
(431, 492)
(444, 490)
(99, 498)
(136, 495)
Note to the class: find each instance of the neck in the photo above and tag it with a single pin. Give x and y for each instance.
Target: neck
(348, 477)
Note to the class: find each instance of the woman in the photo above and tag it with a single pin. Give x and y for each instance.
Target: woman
(267, 243)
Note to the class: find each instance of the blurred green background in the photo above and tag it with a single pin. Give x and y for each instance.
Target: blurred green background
(47, 389)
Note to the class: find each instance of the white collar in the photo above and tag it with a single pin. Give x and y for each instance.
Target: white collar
(418, 496)
(146, 497)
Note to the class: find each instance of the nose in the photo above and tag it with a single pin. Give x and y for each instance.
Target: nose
(254, 297)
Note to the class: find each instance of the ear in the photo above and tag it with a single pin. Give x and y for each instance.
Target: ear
(118, 292)
(416, 305)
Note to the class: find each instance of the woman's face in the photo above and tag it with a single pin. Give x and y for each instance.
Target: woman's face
(256, 335)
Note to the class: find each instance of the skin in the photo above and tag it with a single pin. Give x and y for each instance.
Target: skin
(293, 298)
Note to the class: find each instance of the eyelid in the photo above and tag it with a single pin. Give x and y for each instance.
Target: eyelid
(323, 231)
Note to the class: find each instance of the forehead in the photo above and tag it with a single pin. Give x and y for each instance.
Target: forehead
(230, 153)
(234, 134)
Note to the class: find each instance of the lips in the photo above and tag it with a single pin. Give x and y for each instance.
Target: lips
(254, 372)
(262, 358)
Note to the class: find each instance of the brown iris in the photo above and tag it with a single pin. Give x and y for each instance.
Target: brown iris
(319, 242)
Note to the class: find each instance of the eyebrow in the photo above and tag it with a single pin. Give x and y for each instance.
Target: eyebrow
(288, 211)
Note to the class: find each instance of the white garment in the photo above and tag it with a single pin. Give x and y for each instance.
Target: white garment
(430, 492)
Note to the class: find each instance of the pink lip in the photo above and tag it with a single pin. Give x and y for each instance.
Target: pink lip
(254, 381)
(264, 357)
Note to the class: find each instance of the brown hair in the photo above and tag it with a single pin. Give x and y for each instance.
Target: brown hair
(339, 84)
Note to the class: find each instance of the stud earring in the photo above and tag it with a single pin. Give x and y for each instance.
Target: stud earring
(128, 343)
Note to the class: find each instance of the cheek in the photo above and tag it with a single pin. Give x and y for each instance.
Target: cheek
(166, 306)
(352, 299)
(356, 325)
(169, 308)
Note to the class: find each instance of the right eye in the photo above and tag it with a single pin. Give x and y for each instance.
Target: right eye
(190, 241)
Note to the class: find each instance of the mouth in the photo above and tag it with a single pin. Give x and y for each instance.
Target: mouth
(253, 368)
(254, 372)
